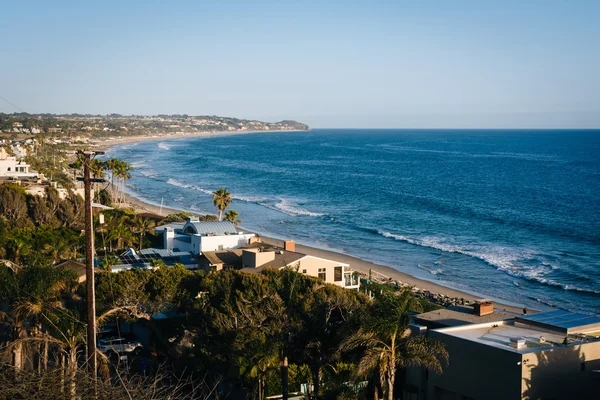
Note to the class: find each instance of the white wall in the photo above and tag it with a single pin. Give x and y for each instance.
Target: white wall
(11, 162)
(225, 242)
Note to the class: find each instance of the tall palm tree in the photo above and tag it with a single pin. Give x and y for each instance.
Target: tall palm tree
(221, 200)
(142, 226)
(232, 216)
(387, 344)
(123, 174)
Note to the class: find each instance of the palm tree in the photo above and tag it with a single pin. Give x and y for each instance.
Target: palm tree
(32, 296)
(122, 172)
(232, 216)
(221, 200)
(20, 246)
(143, 226)
(258, 367)
(387, 344)
(61, 247)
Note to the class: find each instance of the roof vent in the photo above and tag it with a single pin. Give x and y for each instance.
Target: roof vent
(517, 343)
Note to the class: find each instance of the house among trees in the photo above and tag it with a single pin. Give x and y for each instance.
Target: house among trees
(11, 168)
(257, 258)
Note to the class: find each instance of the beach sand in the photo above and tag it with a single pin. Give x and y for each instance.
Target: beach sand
(378, 271)
(103, 144)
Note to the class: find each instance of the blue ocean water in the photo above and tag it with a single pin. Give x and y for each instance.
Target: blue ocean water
(514, 215)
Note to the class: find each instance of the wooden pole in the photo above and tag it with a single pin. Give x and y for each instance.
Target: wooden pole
(89, 268)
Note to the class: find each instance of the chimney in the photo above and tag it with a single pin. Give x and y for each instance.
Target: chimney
(169, 236)
(289, 245)
(483, 307)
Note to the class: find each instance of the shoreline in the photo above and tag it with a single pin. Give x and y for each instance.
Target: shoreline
(422, 287)
(99, 144)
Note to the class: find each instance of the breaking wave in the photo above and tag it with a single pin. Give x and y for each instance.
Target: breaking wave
(433, 271)
(503, 258)
(278, 204)
(284, 206)
(164, 146)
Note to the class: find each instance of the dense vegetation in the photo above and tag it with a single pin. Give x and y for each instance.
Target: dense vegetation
(209, 335)
(252, 334)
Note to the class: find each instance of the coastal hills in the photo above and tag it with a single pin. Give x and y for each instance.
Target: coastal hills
(133, 125)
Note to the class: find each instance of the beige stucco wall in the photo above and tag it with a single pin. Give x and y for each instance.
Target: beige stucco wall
(253, 258)
(559, 373)
(476, 371)
(312, 265)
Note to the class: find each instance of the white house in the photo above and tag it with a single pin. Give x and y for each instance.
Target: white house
(11, 168)
(199, 236)
(257, 259)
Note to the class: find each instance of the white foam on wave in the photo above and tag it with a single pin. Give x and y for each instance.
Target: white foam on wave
(433, 271)
(164, 146)
(148, 173)
(505, 259)
(285, 206)
(175, 182)
(282, 205)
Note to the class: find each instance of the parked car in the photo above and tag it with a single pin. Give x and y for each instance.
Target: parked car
(118, 345)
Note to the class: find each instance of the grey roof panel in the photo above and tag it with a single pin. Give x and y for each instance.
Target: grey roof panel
(214, 228)
(561, 320)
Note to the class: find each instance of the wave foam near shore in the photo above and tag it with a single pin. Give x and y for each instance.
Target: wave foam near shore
(502, 258)
(285, 206)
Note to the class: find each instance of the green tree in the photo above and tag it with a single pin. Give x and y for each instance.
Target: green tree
(221, 200)
(13, 205)
(386, 343)
(142, 227)
(232, 216)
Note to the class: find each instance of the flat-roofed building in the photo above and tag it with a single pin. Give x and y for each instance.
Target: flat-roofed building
(520, 358)
(461, 315)
(200, 236)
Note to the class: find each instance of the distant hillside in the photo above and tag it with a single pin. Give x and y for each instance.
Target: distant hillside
(132, 125)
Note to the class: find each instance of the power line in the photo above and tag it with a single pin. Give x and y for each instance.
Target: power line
(11, 104)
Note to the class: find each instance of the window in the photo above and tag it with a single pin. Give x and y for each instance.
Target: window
(220, 247)
(304, 271)
(337, 274)
(323, 273)
(8, 169)
(347, 280)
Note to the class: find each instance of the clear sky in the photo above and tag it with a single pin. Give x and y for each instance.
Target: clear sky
(445, 63)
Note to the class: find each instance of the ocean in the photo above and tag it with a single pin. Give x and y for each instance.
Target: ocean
(509, 214)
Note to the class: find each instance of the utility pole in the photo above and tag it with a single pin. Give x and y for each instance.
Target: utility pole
(89, 261)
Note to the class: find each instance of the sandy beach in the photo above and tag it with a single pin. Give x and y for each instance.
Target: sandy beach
(365, 267)
(103, 144)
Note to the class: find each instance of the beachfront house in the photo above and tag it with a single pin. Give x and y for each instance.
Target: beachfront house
(256, 259)
(199, 236)
(550, 355)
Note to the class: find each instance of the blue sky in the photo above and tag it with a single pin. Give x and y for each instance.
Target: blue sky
(446, 63)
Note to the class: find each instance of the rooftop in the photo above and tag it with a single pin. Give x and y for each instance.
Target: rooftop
(504, 334)
(202, 228)
(143, 259)
(233, 258)
(227, 257)
(563, 322)
(457, 316)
